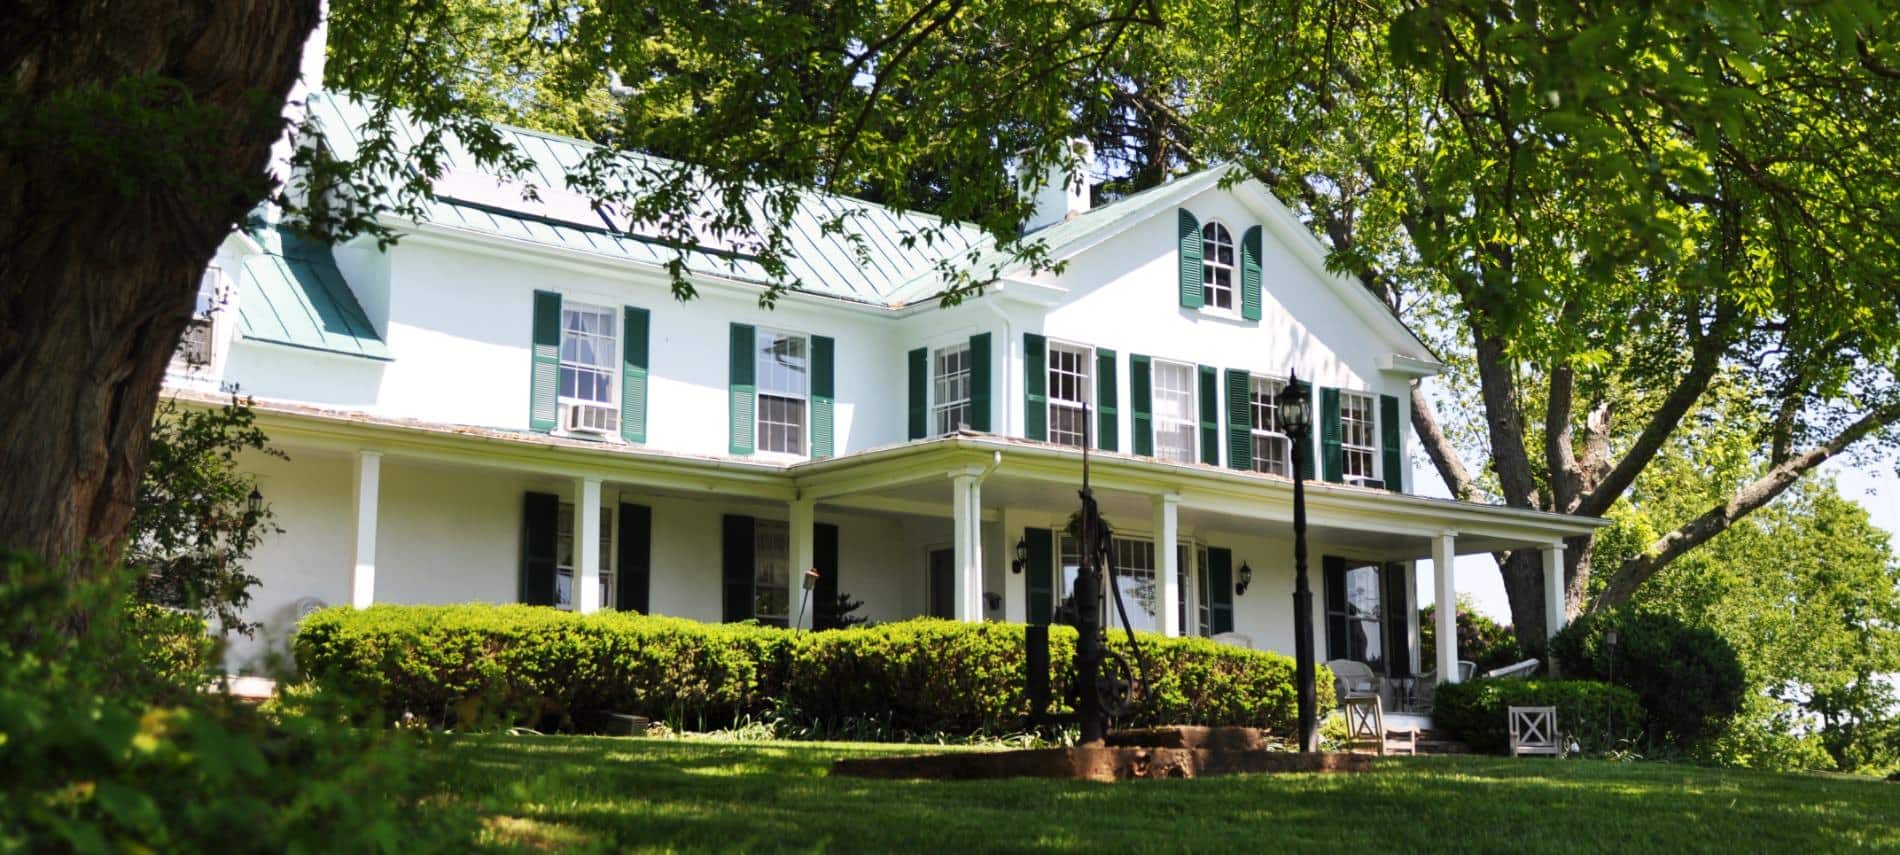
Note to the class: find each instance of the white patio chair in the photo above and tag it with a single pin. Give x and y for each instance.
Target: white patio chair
(1352, 678)
(1234, 638)
(1365, 726)
(1534, 731)
(1515, 671)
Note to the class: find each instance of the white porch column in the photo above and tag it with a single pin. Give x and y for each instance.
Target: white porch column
(966, 511)
(1444, 554)
(799, 524)
(1412, 646)
(1015, 581)
(369, 478)
(1167, 563)
(1553, 588)
(587, 544)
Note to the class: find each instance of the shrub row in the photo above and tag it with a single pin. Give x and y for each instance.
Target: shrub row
(484, 666)
(1598, 716)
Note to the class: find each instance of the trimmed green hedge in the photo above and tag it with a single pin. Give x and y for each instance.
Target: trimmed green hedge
(1598, 716)
(484, 666)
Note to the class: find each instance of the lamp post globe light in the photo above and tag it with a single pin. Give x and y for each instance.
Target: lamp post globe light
(1296, 420)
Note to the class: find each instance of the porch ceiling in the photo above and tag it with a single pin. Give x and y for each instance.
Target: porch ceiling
(1354, 520)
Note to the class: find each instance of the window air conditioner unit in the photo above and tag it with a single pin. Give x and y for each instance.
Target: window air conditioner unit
(592, 418)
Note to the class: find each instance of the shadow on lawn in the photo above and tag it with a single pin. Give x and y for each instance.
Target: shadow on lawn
(692, 795)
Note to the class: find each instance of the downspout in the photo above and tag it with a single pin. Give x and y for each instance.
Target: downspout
(1003, 428)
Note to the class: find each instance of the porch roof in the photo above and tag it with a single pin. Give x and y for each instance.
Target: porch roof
(911, 477)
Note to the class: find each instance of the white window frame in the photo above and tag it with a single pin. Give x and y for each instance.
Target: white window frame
(1085, 375)
(802, 398)
(1203, 592)
(1191, 424)
(1212, 266)
(1349, 450)
(214, 289)
(1263, 403)
(760, 569)
(564, 544)
(1067, 555)
(611, 370)
(942, 406)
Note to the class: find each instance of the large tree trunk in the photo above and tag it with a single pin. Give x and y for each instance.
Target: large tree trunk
(136, 134)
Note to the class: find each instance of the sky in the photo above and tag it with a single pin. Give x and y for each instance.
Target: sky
(1873, 484)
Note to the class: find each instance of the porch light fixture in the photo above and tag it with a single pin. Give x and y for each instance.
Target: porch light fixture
(1296, 419)
(1246, 580)
(256, 503)
(1022, 556)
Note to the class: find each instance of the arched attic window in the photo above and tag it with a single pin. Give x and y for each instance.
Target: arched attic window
(1217, 266)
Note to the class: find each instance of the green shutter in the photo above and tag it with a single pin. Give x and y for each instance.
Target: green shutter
(539, 519)
(736, 568)
(1106, 414)
(1191, 276)
(544, 376)
(1338, 629)
(1210, 416)
(634, 558)
(1141, 405)
(1220, 577)
(741, 390)
(1306, 446)
(824, 559)
(823, 394)
(1035, 393)
(1332, 457)
(1041, 573)
(980, 382)
(1239, 420)
(919, 360)
(1250, 274)
(634, 323)
(1389, 426)
(1398, 650)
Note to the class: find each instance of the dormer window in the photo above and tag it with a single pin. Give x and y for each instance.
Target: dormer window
(1217, 267)
(588, 351)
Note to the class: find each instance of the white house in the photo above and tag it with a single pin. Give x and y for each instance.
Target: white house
(514, 378)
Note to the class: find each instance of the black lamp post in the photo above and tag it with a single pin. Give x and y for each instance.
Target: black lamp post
(1296, 418)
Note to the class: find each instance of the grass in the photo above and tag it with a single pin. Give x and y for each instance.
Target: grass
(691, 795)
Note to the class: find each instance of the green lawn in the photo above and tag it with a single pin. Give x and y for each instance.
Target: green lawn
(616, 794)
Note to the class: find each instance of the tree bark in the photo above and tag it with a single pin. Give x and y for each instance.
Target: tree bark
(136, 135)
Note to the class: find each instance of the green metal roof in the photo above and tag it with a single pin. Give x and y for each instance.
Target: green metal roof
(880, 250)
(294, 295)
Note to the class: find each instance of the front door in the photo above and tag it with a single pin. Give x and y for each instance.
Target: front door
(943, 583)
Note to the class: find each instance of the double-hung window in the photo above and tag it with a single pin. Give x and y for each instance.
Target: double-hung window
(567, 562)
(772, 571)
(1203, 593)
(589, 342)
(1217, 267)
(1271, 447)
(1176, 422)
(196, 343)
(1068, 394)
(784, 386)
(1135, 577)
(1359, 436)
(950, 400)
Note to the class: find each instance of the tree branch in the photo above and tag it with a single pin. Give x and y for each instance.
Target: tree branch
(1706, 359)
(1438, 447)
(1635, 571)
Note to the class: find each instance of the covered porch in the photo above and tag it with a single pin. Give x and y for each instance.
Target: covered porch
(967, 527)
